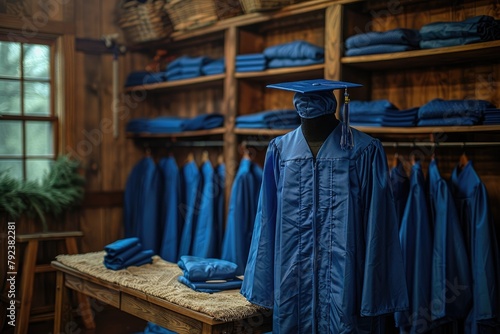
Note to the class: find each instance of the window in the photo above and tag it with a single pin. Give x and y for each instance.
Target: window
(28, 124)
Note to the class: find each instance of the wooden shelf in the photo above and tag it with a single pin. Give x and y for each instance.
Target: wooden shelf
(427, 57)
(198, 82)
(427, 129)
(261, 132)
(199, 133)
(299, 72)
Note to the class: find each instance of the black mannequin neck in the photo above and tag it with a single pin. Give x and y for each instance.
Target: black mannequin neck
(317, 129)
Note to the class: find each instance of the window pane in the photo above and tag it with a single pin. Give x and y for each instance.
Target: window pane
(39, 138)
(10, 97)
(10, 59)
(11, 138)
(36, 98)
(37, 168)
(36, 61)
(13, 167)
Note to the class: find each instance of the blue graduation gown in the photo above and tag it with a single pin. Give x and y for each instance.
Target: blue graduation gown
(241, 214)
(170, 217)
(400, 188)
(205, 237)
(471, 199)
(451, 292)
(325, 253)
(415, 235)
(141, 207)
(220, 185)
(191, 180)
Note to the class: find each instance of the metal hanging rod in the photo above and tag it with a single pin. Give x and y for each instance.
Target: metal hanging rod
(443, 144)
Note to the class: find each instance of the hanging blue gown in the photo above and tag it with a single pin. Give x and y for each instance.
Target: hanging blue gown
(241, 214)
(471, 199)
(205, 237)
(325, 253)
(415, 235)
(171, 227)
(451, 293)
(400, 188)
(142, 203)
(190, 183)
(220, 184)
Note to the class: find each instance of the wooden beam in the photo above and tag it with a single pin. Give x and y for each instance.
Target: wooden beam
(27, 27)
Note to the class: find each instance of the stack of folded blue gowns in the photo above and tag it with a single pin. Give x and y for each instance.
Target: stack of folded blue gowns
(251, 62)
(212, 67)
(208, 274)
(491, 116)
(125, 253)
(139, 78)
(380, 113)
(374, 42)
(270, 119)
(186, 67)
(480, 28)
(296, 53)
(172, 124)
(439, 112)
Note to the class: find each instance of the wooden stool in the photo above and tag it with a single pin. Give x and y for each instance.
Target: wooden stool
(30, 268)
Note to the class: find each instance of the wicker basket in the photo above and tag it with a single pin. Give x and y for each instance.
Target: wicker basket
(191, 14)
(227, 8)
(142, 22)
(250, 6)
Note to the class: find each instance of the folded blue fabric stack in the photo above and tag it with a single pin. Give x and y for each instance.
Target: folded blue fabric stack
(296, 53)
(127, 252)
(380, 113)
(480, 28)
(172, 124)
(203, 122)
(270, 119)
(439, 112)
(374, 42)
(491, 116)
(186, 67)
(208, 274)
(251, 62)
(144, 77)
(212, 67)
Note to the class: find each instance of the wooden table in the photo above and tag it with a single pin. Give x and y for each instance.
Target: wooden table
(149, 308)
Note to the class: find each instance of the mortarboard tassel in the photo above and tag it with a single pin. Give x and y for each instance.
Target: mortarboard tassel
(346, 140)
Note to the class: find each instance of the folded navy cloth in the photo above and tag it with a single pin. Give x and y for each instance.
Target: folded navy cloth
(449, 121)
(439, 108)
(399, 123)
(184, 76)
(137, 125)
(295, 50)
(186, 61)
(256, 62)
(144, 77)
(380, 48)
(443, 43)
(274, 119)
(282, 62)
(166, 124)
(214, 67)
(121, 245)
(211, 287)
(199, 269)
(122, 257)
(395, 36)
(155, 77)
(258, 125)
(205, 121)
(483, 26)
(372, 107)
(366, 123)
(491, 122)
(254, 68)
(184, 70)
(143, 257)
(250, 57)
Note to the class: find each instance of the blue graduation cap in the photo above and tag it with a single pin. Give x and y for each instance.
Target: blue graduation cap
(314, 98)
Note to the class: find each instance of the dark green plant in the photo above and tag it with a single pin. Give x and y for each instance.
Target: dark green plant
(60, 189)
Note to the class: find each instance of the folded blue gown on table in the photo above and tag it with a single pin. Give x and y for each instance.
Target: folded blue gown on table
(295, 50)
(211, 287)
(199, 269)
(439, 108)
(483, 26)
(119, 246)
(449, 121)
(282, 62)
(126, 252)
(122, 257)
(400, 36)
(203, 122)
(380, 48)
(143, 257)
(217, 66)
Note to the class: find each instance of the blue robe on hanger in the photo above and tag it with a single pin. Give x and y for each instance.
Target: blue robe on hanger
(171, 224)
(191, 181)
(241, 214)
(471, 199)
(205, 237)
(220, 185)
(415, 235)
(142, 203)
(325, 253)
(400, 189)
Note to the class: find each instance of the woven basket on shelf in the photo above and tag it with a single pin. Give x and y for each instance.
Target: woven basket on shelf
(227, 8)
(142, 22)
(250, 6)
(191, 14)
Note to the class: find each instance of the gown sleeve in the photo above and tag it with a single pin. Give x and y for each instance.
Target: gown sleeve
(384, 287)
(258, 282)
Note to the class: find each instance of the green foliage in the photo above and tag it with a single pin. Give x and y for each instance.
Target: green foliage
(60, 189)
